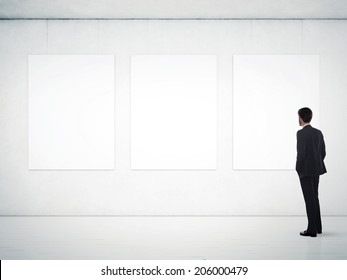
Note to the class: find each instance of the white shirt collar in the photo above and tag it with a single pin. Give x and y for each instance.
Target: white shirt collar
(305, 125)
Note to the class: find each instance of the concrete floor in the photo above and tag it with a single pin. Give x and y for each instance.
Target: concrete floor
(150, 238)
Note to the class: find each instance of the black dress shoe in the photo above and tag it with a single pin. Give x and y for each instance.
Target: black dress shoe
(319, 232)
(305, 233)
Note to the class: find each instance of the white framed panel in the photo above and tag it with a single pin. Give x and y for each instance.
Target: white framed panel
(173, 112)
(71, 111)
(268, 90)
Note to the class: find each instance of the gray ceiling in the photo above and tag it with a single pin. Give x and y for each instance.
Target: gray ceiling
(300, 9)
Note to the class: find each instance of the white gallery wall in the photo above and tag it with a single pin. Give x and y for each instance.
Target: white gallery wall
(123, 191)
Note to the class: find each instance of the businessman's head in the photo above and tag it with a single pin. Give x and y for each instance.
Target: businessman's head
(305, 116)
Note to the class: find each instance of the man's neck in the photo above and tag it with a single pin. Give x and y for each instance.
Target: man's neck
(305, 124)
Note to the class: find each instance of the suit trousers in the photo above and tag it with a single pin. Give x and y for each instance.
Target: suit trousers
(309, 186)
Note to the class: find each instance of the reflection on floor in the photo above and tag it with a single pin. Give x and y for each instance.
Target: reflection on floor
(169, 238)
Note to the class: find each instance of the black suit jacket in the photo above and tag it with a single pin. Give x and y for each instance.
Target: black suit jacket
(310, 152)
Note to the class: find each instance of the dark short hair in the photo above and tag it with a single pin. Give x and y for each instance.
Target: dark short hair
(306, 114)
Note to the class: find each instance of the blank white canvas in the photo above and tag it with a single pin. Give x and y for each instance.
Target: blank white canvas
(174, 112)
(268, 90)
(71, 111)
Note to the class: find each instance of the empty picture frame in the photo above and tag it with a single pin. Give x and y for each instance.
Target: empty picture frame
(173, 112)
(268, 90)
(71, 111)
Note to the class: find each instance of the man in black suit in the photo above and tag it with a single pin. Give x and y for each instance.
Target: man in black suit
(309, 166)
